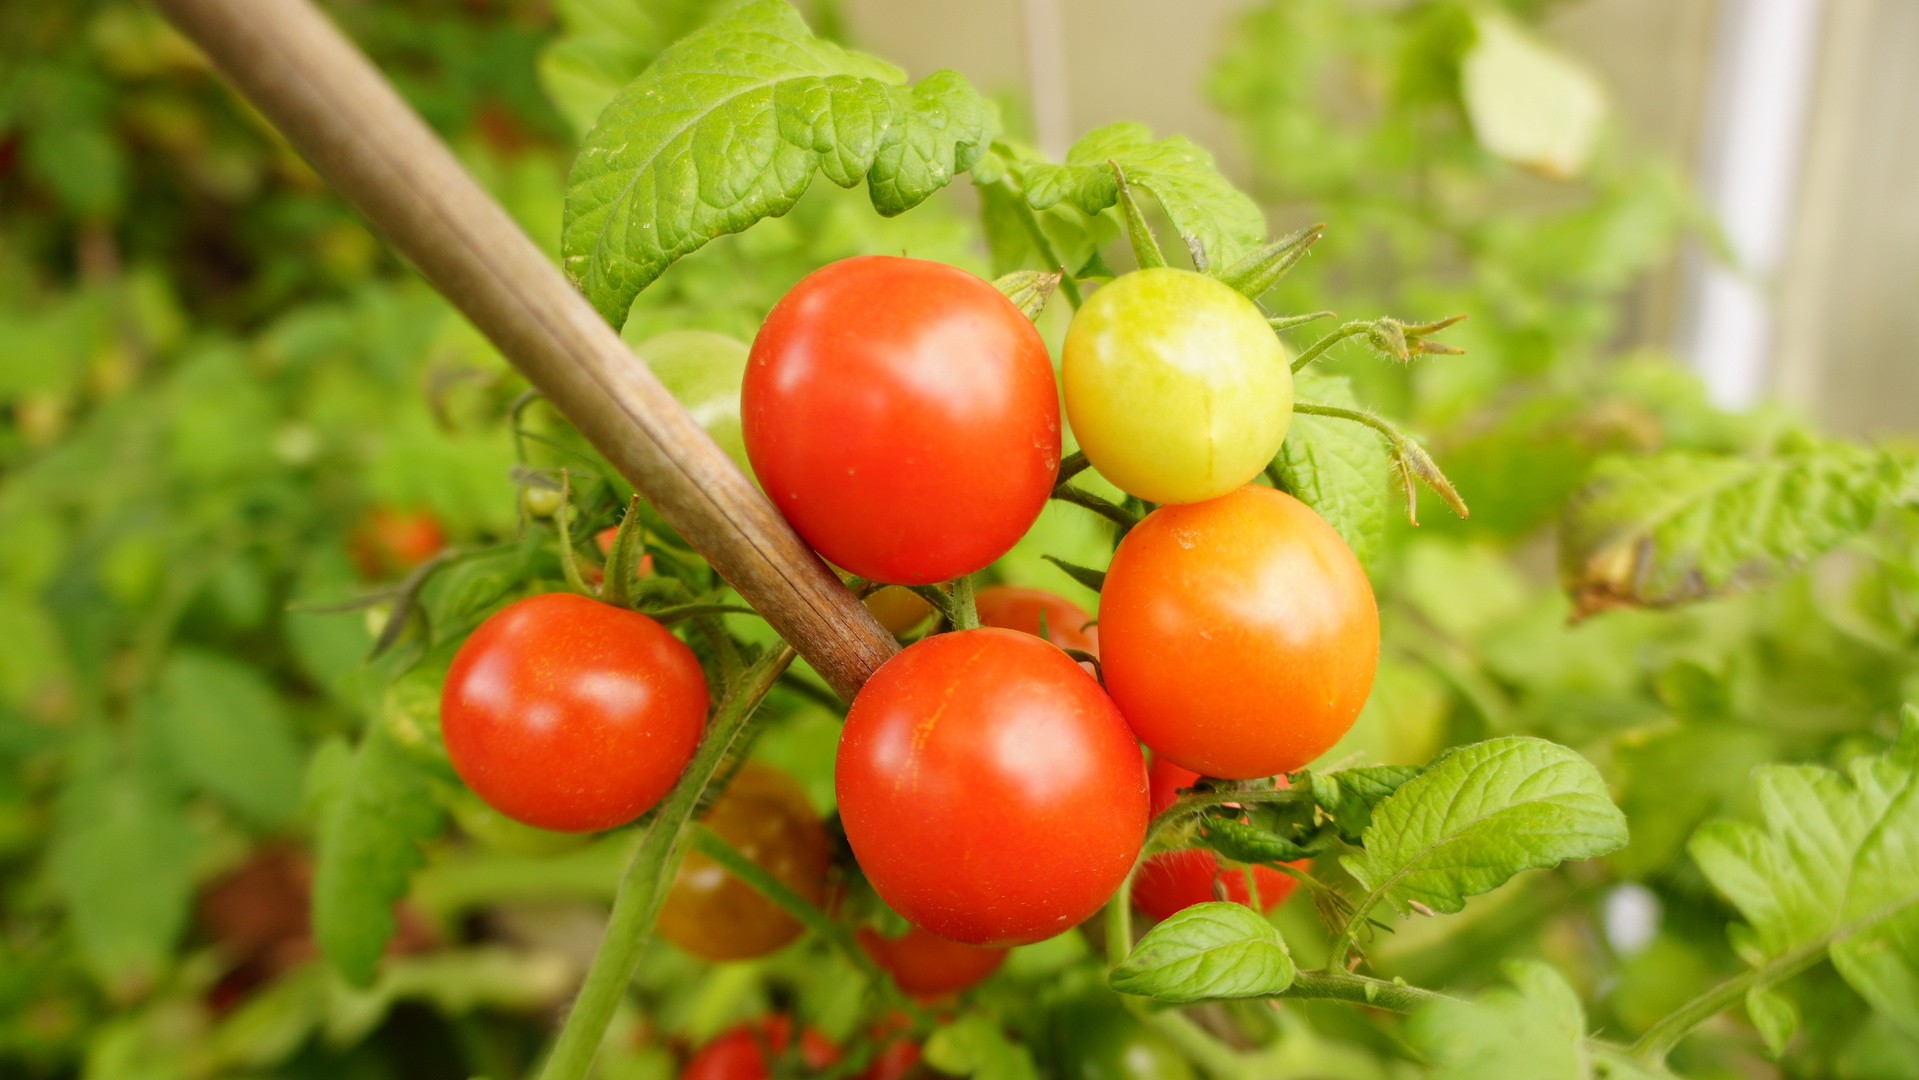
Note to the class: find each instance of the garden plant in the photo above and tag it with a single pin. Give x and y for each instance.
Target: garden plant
(1190, 681)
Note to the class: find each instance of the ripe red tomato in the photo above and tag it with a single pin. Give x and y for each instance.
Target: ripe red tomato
(894, 1061)
(604, 541)
(391, 542)
(1239, 635)
(902, 414)
(1174, 880)
(990, 790)
(765, 815)
(1012, 608)
(741, 1053)
(570, 714)
(928, 966)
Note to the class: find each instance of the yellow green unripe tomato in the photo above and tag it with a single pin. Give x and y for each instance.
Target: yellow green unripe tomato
(541, 501)
(703, 370)
(1176, 387)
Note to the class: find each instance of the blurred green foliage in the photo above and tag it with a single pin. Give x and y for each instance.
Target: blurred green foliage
(213, 380)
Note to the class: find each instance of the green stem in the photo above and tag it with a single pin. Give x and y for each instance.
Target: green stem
(1139, 235)
(1202, 1047)
(1658, 1041)
(643, 889)
(1046, 253)
(1333, 984)
(1313, 352)
(1118, 515)
(1070, 466)
(1411, 458)
(1290, 321)
(1119, 922)
(569, 559)
(965, 612)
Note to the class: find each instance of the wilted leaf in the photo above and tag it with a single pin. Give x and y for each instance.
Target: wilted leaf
(1212, 950)
(1665, 529)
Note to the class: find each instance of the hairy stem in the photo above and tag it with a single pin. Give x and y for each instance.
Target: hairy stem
(643, 888)
(965, 613)
(1314, 351)
(1046, 253)
(1332, 984)
(1116, 514)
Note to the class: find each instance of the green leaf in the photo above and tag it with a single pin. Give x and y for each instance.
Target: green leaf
(1481, 814)
(369, 847)
(227, 731)
(1092, 579)
(122, 855)
(1665, 529)
(1837, 860)
(1203, 205)
(1246, 842)
(1530, 103)
(1534, 1030)
(728, 127)
(1207, 951)
(1349, 795)
(1340, 469)
(1774, 1014)
(975, 1046)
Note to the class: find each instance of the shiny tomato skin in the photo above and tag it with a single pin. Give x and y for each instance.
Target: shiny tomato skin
(764, 814)
(572, 715)
(926, 965)
(969, 764)
(903, 415)
(1239, 636)
(1175, 880)
(1176, 387)
(741, 1053)
(1067, 624)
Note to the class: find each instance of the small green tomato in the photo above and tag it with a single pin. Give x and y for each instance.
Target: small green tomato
(703, 370)
(1176, 387)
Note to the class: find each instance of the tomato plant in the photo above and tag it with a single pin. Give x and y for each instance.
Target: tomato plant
(926, 965)
(1093, 1038)
(745, 1052)
(764, 814)
(1173, 881)
(570, 714)
(1027, 610)
(703, 370)
(1175, 386)
(1239, 635)
(967, 761)
(902, 414)
(390, 542)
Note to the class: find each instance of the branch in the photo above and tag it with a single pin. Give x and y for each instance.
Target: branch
(1410, 458)
(1112, 512)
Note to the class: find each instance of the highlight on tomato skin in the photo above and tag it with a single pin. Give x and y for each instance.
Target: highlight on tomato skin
(572, 715)
(968, 762)
(1172, 881)
(1239, 636)
(765, 815)
(741, 1053)
(928, 966)
(903, 416)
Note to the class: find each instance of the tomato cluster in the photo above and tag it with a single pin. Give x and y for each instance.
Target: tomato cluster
(904, 417)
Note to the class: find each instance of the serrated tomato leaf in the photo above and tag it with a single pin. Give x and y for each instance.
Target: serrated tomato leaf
(1668, 528)
(1838, 859)
(1339, 468)
(1207, 951)
(1480, 815)
(1211, 214)
(1534, 1029)
(1349, 795)
(370, 840)
(729, 126)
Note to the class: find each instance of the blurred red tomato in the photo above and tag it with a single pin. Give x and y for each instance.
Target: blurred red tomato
(742, 1053)
(927, 965)
(390, 542)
